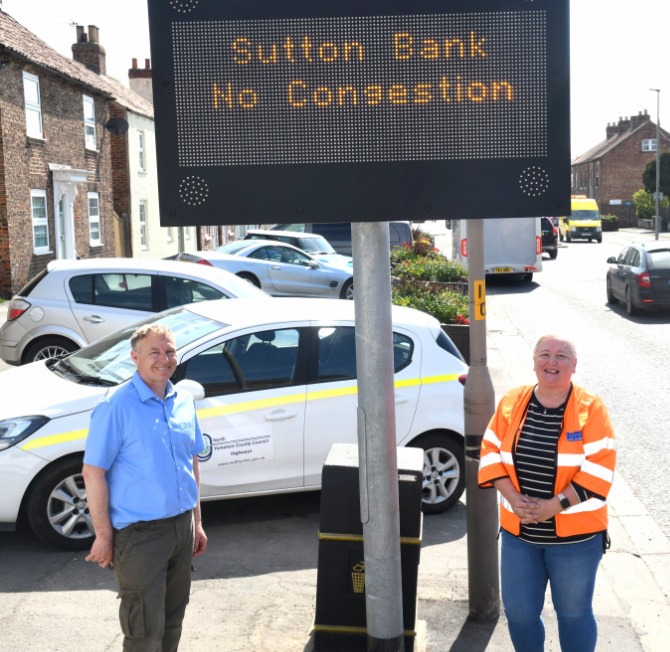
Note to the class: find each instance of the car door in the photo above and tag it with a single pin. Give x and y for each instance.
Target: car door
(295, 273)
(332, 395)
(106, 301)
(253, 413)
(618, 275)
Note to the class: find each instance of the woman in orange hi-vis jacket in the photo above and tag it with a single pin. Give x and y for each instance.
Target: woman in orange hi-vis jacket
(549, 450)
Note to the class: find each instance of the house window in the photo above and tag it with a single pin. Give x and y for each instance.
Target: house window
(649, 145)
(141, 154)
(31, 95)
(89, 123)
(38, 207)
(144, 234)
(94, 219)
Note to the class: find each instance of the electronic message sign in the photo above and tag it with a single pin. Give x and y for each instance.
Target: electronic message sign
(305, 110)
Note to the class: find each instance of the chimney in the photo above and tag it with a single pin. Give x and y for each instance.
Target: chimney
(639, 119)
(139, 80)
(612, 130)
(624, 124)
(88, 51)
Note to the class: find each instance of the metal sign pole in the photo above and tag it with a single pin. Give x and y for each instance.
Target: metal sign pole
(479, 404)
(378, 461)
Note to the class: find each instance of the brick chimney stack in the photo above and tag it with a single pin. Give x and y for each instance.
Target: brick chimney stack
(88, 51)
(139, 80)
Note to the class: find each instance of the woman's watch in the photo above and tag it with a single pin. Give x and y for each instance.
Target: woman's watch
(565, 503)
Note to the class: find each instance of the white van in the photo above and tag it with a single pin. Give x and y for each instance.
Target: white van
(512, 245)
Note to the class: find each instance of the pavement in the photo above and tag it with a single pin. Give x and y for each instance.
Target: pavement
(255, 589)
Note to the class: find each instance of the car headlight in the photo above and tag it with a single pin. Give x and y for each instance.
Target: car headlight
(12, 431)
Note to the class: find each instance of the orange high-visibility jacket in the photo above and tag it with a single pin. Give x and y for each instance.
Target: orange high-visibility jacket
(586, 455)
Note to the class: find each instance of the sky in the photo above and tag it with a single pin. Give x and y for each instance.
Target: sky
(616, 51)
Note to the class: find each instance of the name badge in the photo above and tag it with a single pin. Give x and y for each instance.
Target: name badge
(575, 436)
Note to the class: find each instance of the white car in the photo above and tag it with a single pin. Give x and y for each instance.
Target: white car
(72, 303)
(282, 270)
(275, 389)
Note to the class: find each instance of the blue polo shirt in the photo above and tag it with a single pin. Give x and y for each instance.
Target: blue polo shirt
(146, 445)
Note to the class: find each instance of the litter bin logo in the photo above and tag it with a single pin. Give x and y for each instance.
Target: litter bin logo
(358, 577)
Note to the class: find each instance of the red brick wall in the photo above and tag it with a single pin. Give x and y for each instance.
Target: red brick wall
(25, 166)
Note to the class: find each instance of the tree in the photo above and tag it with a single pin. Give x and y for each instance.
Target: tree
(649, 175)
(645, 206)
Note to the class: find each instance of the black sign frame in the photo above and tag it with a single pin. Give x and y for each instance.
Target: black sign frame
(264, 192)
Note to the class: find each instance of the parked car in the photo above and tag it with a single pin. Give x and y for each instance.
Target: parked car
(274, 390)
(311, 243)
(74, 302)
(339, 233)
(640, 276)
(549, 237)
(280, 269)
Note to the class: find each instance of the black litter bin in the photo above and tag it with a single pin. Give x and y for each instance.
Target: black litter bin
(340, 620)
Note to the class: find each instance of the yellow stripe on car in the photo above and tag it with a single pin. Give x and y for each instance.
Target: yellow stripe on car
(248, 406)
(52, 440)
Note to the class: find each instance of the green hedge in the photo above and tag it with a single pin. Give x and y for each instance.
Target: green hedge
(426, 280)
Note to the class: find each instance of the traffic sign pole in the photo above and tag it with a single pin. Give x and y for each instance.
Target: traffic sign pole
(479, 405)
(378, 460)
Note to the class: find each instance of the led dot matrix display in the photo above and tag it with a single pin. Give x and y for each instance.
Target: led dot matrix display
(310, 99)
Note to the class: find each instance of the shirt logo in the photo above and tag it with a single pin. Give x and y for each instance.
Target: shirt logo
(575, 436)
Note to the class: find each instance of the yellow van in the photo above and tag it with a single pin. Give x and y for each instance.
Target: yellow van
(584, 223)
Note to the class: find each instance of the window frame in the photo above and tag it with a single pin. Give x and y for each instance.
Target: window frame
(40, 221)
(141, 151)
(143, 221)
(94, 220)
(31, 107)
(90, 139)
(649, 145)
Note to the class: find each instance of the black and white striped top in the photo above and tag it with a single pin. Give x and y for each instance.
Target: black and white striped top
(535, 461)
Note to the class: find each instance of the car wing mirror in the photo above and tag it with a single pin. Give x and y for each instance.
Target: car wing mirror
(611, 260)
(196, 390)
(313, 264)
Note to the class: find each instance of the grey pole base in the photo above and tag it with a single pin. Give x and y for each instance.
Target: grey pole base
(396, 644)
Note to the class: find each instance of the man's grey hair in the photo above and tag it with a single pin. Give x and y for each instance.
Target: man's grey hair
(146, 331)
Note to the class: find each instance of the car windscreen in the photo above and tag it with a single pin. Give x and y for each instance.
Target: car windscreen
(315, 246)
(233, 247)
(585, 215)
(32, 283)
(108, 362)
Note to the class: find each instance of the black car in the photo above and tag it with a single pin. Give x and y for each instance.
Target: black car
(549, 237)
(640, 276)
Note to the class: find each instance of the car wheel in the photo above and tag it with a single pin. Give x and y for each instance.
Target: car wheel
(528, 277)
(348, 290)
(251, 278)
(49, 347)
(553, 253)
(610, 297)
(630, 307)
(443, 472)
(56, 507)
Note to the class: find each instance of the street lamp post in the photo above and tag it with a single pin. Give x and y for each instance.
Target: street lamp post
(657, 219)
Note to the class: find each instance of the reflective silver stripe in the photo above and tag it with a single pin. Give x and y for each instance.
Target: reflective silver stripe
(492, 438)
(598, 471)
(505, 504)
(507, 458)
(489, 460)
(606, 443)
(570, 460)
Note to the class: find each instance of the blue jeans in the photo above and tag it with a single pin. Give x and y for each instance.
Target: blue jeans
(570, 570)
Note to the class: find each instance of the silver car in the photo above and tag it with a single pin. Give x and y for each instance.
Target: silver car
(280, 269)
(72, 303)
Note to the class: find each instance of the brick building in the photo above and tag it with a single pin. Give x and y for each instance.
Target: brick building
(611, 172)
(55, 167)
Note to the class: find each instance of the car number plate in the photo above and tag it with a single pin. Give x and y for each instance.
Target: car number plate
(502, 270)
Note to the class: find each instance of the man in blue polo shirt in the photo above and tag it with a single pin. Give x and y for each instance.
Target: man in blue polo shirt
(142, 481)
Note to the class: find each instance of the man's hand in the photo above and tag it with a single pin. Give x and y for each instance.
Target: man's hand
(200, 543)
(101, 552)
